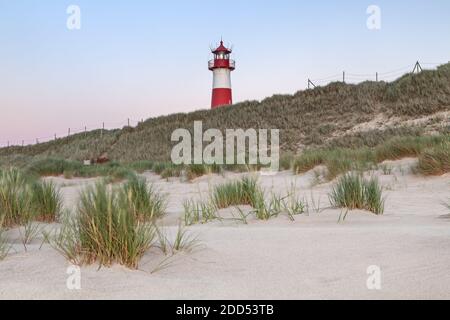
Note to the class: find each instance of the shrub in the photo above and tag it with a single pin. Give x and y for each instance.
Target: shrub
(352, 191)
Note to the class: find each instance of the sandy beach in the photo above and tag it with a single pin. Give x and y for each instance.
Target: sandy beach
(313, 257)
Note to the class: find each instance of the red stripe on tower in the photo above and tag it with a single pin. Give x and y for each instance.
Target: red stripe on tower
(221, 66)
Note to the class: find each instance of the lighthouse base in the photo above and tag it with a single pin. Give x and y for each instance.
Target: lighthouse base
(221, 97)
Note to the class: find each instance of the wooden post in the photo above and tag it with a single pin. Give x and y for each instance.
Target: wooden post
(23, 142)
(377, 77)
(103, 128)
(128, 121)
(68, 132)
(343, 76)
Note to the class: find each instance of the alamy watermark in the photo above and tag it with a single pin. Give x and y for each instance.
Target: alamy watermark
(374, 19)
(229, 149)
(73, 21)
(374, 279)
(73, 281)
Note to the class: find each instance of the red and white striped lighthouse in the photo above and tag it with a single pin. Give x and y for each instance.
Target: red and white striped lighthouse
(221, 66)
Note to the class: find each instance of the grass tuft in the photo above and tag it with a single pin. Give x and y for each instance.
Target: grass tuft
(435, 160)
(105, 230)
(199, 212)
(143, 199)
(352, 191)
(47, 201)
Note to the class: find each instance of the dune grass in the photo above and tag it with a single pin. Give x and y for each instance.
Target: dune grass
(199, 212)
(184, 241)
(105, 230)
(245, 191)
(293, 204)
(15, 198)
(47, 201)
(24, 199)
(4, 245)
(240, 192)
(140, 166)
(431, 150)
(144, 200)
(336, 160)
(352, 191)
(69, 169)
(306, 118)
(435, 160)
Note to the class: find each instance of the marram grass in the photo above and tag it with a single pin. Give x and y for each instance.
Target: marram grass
(199, 212)
(24, 199)
(435, 160)
(105, 230)
(144, 200)
(352, 191)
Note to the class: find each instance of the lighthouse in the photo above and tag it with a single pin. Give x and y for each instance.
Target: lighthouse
(221, 66)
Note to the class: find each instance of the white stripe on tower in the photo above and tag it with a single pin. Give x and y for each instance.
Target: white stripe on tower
(222, 79)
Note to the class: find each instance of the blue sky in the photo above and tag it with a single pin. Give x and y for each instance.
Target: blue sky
(139, 59)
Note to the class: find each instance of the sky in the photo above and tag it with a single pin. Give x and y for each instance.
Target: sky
(134, 59)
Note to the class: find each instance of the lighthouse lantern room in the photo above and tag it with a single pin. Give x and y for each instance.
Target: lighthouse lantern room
(221, 66)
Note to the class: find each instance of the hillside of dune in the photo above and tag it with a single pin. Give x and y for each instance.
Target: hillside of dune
(337, 114)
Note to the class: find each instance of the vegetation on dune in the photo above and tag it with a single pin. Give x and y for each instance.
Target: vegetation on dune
(24, 199)
(353, 191)
(321, 116)
(4, 245)
(431, 150)
(234, 193)
(105, 230)
(435, 160)
(47, 201)
(199, 212)
(245, 191)
(144, 200)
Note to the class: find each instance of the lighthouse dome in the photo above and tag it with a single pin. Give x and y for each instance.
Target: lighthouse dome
(221, 49)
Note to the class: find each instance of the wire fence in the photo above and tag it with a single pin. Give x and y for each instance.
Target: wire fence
(70, 132)
(347, 77)
(387, 76)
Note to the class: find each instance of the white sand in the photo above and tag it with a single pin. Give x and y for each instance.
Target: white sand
(311, 258)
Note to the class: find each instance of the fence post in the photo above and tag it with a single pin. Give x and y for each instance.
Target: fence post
(23, 142)
(343, 76)
(377, 77)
